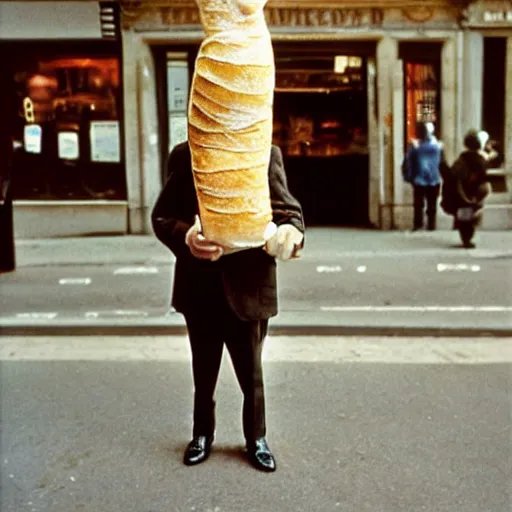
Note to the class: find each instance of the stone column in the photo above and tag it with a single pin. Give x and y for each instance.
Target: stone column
(508, 108)
(449, 112)
(131, 44)
(387, 57)
(374, 147)
(399, 187)
(148, 136)
(472, 93)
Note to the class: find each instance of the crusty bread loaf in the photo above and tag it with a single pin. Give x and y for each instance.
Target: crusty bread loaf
(230, 123)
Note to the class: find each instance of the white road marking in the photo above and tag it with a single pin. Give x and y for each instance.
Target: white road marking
(135, 270)
(328, 269)
(129, 312)
(457, 267)
(361, 269)
(117, 312)
(418, 309)
(46, 316)
(75, 280)
(327, 349)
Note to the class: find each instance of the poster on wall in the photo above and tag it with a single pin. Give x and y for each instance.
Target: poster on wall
(178, 130)
(32, 134)
(177, 85)
(68, 145)
(105, 142)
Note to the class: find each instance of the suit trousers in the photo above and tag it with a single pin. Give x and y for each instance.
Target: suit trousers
(428, 194)
(244, 340)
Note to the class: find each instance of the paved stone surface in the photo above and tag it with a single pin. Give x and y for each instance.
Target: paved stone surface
(147, 249)
(360, 424)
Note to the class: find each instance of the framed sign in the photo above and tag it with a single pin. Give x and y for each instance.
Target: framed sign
(105, 142)
(32, 134)
(68, 145)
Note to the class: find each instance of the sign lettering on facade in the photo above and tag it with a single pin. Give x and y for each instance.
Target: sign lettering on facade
(489, 14)
(498, 16)
(148, 17)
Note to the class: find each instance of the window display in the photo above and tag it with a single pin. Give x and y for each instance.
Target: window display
(67, 135)
(320, 112)
(321, 125)
(421, 93)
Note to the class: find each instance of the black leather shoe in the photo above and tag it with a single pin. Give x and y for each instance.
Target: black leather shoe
(198, 450)
(260, 455)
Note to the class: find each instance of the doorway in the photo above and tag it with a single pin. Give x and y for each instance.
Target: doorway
(320, 122)
(493, 104)
(321, 126)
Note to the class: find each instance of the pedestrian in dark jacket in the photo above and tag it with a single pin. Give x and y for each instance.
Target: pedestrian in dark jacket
(423, 168)
(467, 186)
(225, 299)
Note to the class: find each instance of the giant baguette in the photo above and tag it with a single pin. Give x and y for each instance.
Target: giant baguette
(230, 123)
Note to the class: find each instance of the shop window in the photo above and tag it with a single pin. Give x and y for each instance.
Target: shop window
(321, 112)
(421, 96)
(67, 136)
(321, 126)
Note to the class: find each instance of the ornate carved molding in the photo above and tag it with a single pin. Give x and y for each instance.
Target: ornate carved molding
(313, 14)
(322, 4)
(419, 14)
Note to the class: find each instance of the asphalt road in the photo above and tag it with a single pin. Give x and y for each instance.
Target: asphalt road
(356, 424)
(365, 285)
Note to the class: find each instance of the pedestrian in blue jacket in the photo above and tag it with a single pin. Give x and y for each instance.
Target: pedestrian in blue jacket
(424, 166)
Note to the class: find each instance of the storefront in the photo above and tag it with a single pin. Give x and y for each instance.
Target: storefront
(488, 88)
(351, 81)
(102, 92)
(63, 66)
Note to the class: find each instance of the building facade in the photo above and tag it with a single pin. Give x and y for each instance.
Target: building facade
(487, 93)
(352, 80)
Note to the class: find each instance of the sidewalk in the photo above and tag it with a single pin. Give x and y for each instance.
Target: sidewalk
(146, 249)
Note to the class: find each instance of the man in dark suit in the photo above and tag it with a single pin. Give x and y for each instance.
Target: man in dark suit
(225, 299)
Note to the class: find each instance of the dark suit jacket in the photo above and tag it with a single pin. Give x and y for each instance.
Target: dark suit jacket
(247, 279)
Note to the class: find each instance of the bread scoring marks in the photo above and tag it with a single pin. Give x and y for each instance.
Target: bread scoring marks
(142, 16)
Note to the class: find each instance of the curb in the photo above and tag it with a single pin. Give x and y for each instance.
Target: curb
(278, 329)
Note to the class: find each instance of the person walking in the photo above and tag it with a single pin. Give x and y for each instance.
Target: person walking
(467, 186)
(423, 167)
(225, 299)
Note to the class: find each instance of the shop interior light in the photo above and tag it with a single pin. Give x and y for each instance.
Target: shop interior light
(340, 63)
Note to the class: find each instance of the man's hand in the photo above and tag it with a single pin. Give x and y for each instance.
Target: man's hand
(285, 244)
(199, 246)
